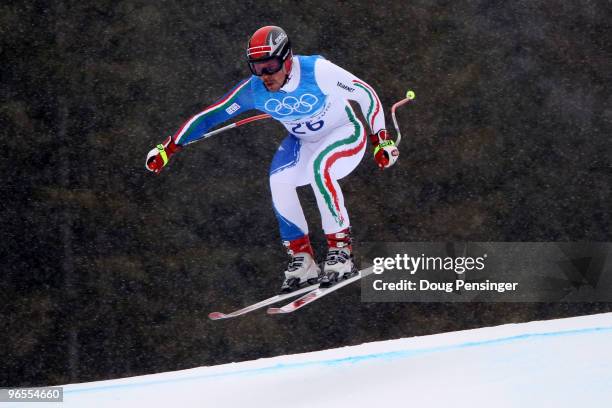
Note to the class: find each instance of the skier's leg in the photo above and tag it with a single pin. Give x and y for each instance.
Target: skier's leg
(285, 175)
(338, 155)
(287, 172)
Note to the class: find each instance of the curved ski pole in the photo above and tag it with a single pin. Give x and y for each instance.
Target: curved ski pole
(231, 126)
(409, 97)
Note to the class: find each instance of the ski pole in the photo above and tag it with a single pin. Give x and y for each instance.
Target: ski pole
(409, 97)
(231, 126)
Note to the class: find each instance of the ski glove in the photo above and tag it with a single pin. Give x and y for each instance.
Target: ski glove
(160, 155)
(385, 151)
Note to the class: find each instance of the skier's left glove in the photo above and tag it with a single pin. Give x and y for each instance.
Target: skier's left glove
(160, 155)
(385, 151)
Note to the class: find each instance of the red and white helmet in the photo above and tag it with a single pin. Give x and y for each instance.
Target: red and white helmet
(269, 48)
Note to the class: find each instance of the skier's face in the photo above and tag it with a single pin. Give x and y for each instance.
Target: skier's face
(274, 82)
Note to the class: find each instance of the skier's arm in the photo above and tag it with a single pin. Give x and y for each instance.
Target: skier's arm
(334, 80)
(236, 101)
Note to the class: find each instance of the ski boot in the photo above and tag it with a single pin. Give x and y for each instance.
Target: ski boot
(302, 268)
(338, 263)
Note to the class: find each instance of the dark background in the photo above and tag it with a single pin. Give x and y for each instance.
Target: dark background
(109, 270)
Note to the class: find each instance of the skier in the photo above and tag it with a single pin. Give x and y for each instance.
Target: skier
(309, 96)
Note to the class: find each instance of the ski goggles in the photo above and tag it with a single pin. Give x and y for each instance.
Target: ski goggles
(266, 67)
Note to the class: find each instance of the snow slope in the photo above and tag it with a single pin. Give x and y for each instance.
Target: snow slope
(557, 363)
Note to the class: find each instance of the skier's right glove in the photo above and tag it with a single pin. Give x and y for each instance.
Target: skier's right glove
(385, 151)
(160, 155)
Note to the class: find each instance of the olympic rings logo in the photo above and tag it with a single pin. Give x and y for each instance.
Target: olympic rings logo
(291, 104)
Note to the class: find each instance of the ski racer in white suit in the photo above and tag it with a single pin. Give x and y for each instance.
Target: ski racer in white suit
(309, 95)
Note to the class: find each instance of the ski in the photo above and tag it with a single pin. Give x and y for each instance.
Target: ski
(318, 293)
(259, 305)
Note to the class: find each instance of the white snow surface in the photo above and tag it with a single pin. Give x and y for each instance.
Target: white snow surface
(555, 363)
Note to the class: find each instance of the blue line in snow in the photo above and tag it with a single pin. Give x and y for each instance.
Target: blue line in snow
(347, 360)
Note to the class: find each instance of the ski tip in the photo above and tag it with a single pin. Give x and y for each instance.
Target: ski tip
(216, 315)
